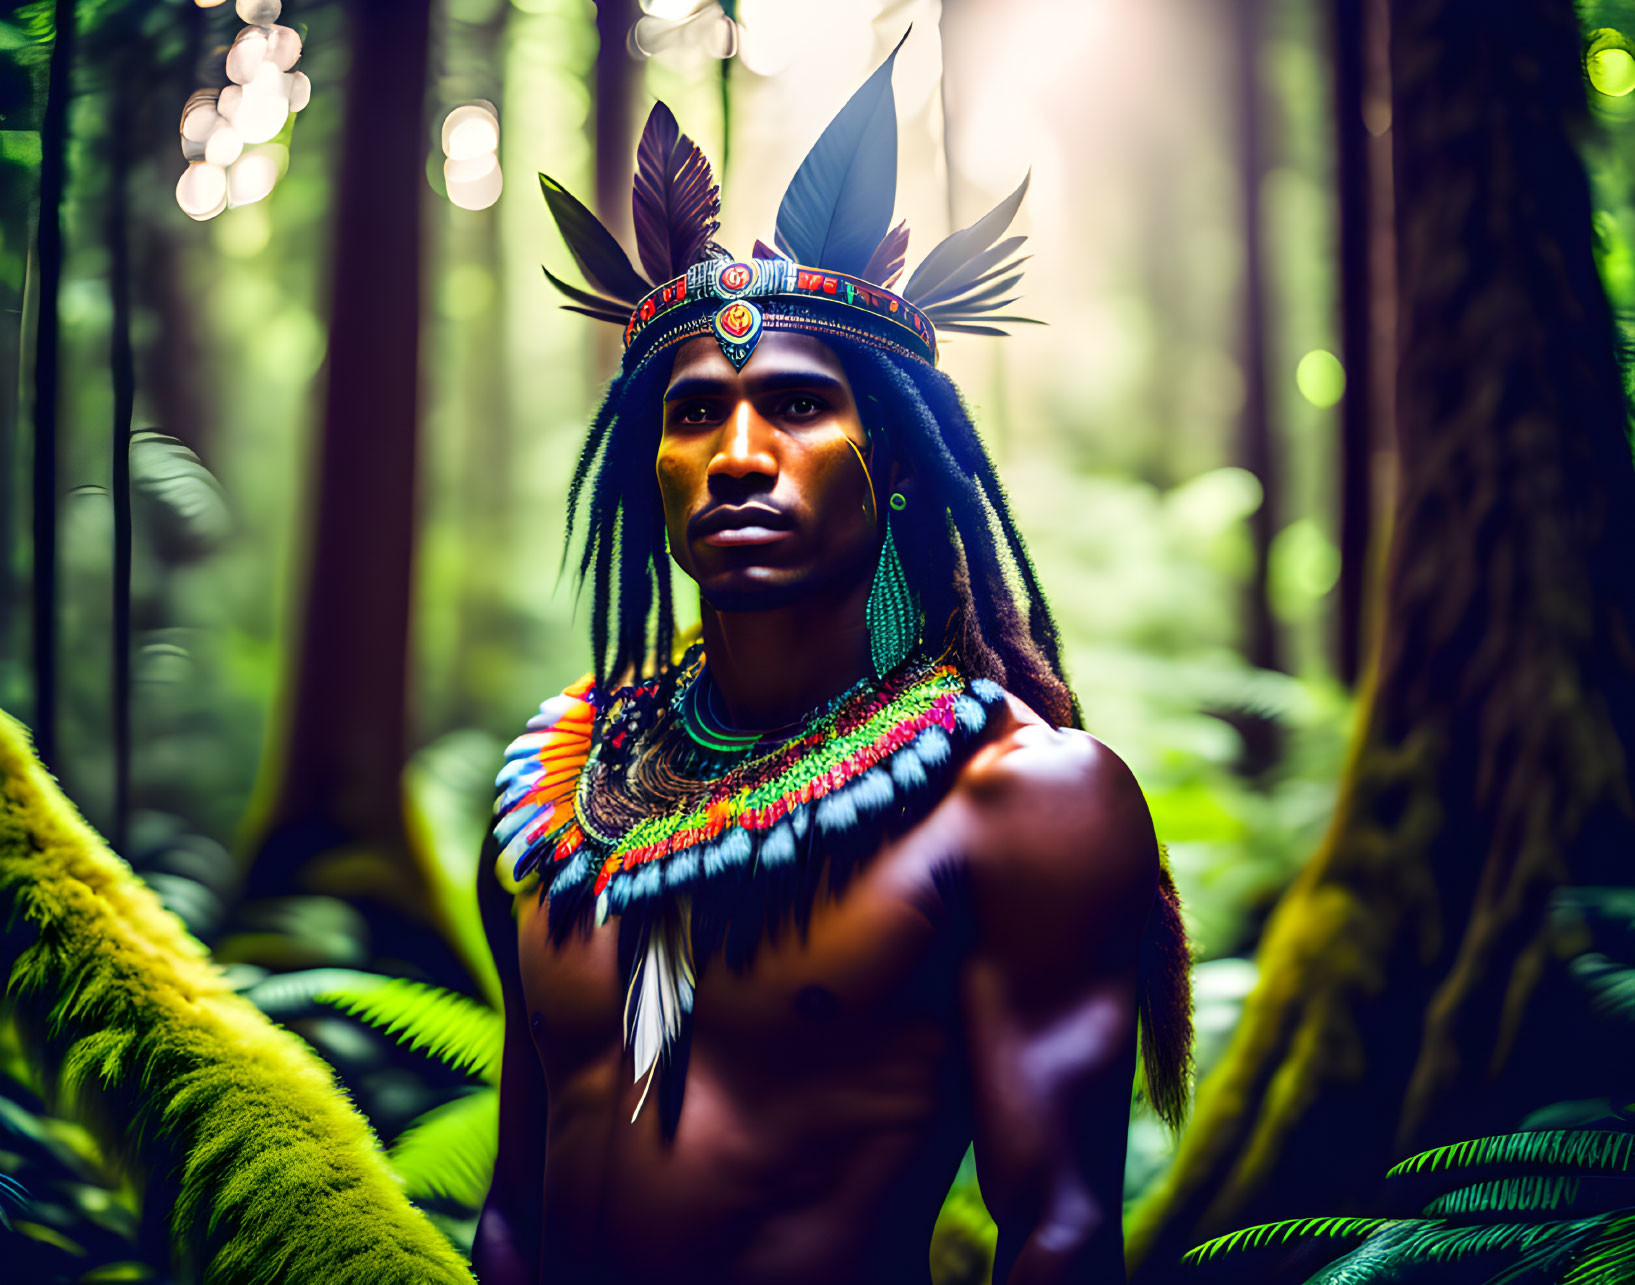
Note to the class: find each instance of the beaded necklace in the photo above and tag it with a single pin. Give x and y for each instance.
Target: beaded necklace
(701, 838)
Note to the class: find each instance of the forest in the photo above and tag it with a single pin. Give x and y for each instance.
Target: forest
(1322, 457)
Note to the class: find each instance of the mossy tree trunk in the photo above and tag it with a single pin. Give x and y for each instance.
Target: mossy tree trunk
(1406, 976)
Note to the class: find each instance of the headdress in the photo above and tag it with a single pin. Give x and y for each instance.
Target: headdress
(835, 265)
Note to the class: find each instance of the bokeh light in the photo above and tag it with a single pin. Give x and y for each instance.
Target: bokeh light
(1320, 378)
(202, 190)
(471, 140)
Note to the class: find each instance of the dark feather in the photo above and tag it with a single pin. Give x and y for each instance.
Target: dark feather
(593, 301)
(763, 251)
(957, 249)
(958, 328)
(675, 205)
(598, 314)
(604, 263)
(838, 205)
(886, 263)
(975, 271)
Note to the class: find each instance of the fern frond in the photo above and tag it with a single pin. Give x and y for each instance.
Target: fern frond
(1608, 1258)
(450, 1150)
(456, 1030)
(1531, 1194)
(287, 994)
(1584, 1150)
(1281, 1233)
(270, 1150)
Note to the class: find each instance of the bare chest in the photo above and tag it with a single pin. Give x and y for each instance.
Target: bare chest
(875, 962)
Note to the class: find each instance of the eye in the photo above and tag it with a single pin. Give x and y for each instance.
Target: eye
(694, 413)
(802, 406)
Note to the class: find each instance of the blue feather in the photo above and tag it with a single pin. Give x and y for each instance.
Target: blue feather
(987, 691)
(778, 848)
(933, 746)
(838, 206)
(800, 820)
(647, 881)
(907, 770)
(735, 847)
(969, 714)
(836, 812)
(681, 869)
(713, 864)
(872, 791)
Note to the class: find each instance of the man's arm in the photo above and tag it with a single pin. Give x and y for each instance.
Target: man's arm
(506, 1250)
(1063, 874)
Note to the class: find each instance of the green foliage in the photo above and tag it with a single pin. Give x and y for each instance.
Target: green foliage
(450, 1150)
(277, 1178)
(1532, 1194)
(461, 1032)
(1281, 1233)
(1583, 1150)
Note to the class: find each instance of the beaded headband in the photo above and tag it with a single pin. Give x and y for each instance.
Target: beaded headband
(837, 255)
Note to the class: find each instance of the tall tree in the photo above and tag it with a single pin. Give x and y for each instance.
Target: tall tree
(49, 239)
(332, 796)
(1256, 451)
(1407, 975)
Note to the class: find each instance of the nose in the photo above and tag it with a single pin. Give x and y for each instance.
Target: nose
(744, 447)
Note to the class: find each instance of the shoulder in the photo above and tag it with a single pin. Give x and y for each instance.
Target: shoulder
(1055, 813)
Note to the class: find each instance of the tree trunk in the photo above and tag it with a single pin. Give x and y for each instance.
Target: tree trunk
(335, 821)
(1356, 464)
(1256, 452)
(53, 183)
(1402, 968)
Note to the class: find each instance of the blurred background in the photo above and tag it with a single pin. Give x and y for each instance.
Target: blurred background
(289, 413)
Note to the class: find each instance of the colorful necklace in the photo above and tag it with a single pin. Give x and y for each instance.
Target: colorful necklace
(704, 838)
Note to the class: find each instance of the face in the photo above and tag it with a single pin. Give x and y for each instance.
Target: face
(765, 496)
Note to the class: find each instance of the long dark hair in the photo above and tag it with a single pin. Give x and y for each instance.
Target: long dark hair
(962, 551)
(963, 555)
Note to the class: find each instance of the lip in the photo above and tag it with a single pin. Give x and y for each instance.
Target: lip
(740, 536)
(735, 525)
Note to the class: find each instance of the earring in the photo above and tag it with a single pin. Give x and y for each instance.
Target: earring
(892, 613)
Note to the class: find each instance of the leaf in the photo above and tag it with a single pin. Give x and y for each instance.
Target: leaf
(957, 249)
(291, 994)
(675, 204)
(599, 256)
(183, 506)
(838, 206)
(458, 1031)
(1584, 1150)
(886, 263)
(450, 1150)
(1281, 1233)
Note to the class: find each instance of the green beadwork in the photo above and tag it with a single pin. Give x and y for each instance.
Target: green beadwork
(892, 614)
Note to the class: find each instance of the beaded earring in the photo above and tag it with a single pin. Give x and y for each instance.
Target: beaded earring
(892, 613)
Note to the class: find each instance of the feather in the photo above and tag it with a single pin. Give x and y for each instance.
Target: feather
(599, 256)
(598, 314)
(838, 206)
(675, 205)
(984, 267)
(660, 996)
(886, 263)
(592, 303)
(764, 251)
(957, 249)
(960, 328)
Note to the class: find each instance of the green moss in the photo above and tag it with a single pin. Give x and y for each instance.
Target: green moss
(277, 1176)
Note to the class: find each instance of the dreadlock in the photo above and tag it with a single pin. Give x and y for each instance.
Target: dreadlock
(968, 564)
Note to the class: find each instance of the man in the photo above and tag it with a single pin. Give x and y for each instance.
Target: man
(795, 919)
